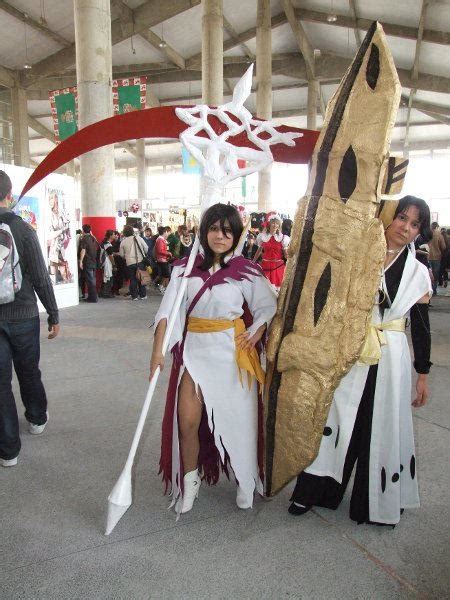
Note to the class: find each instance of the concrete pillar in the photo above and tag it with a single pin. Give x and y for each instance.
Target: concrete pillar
(313, 100)
(94, 76)
(264, 91)
(70, 168)
(212, 52)
(20, 127)
(141, 170)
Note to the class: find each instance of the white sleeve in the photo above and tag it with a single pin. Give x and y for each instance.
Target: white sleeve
(286, 241)
(167, 303)
(259, 240)
(261, 299)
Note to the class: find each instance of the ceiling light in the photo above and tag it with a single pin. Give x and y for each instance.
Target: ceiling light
(27, 66)
(332, 18)
(162, 44)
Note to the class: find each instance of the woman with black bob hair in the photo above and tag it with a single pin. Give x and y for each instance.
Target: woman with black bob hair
(370, 418)
(424, 216)
(226, 218)
(213, 416)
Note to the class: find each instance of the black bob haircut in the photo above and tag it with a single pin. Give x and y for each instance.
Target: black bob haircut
(221, 213)
(424, 214)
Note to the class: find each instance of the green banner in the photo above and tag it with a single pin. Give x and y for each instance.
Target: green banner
(129, 98)
(67, 115)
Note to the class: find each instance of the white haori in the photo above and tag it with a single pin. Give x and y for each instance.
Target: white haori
(392, 464)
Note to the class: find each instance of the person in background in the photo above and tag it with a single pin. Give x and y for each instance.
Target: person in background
(108, 266)
(162, 256)
(133, 249)
(437, 251)
(173, 239)
(81, 278)
(119, 272)
(250, 247)
(89, 248)
(272, 246)
(19, 334)
(184, 245)
(286, 227)
(149, 240)
(443, 274)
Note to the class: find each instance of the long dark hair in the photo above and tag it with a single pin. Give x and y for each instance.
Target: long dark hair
(219, 212)
(424, 214)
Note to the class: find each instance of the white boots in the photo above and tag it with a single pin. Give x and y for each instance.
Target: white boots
(191, 483)
(243, 500)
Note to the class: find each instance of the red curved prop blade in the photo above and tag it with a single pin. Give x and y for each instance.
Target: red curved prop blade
(159, 122)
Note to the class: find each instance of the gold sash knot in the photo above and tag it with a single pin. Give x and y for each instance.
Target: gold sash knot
(247, 360)
(375, 338)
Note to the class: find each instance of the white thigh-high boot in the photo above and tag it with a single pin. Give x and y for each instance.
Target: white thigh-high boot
(191, 484)
(244, 499)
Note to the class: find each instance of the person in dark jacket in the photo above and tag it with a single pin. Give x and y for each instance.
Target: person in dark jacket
(19, 334)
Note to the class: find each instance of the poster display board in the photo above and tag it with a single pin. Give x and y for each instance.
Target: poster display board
(50, 209)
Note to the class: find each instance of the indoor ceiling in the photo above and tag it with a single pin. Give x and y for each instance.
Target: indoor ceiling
(41, 33)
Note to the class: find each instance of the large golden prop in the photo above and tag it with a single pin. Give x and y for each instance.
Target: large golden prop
(335, 260)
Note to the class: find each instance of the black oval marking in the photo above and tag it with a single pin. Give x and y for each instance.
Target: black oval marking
(412, 466)
(401, 468)
(348, 175)
(321, 293)
(373, 67)
(337, 437)
(327, 431)
(383, 479)
(395, 477)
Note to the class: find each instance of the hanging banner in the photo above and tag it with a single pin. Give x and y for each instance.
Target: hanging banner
(64, 107)
(129, 94)
(244, 187)
(190, 165)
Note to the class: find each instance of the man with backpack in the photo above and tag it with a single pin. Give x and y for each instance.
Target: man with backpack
(23, 273)
(89, 255)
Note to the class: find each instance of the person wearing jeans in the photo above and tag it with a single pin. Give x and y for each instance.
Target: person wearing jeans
(19, 334)
(19, 345)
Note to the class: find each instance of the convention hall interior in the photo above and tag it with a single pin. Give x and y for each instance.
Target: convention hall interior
(68, 64)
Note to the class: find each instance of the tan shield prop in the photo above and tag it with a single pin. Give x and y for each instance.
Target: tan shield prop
(335, 261)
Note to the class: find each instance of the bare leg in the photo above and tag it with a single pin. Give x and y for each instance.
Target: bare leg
(189, 416)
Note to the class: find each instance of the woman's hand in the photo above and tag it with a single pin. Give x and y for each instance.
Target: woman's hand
(422, 391)
(157, 360)
(245, 342)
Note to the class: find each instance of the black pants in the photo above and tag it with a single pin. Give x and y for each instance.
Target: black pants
(91, 280)
(326, 491)
(19, 345)
(135, 286)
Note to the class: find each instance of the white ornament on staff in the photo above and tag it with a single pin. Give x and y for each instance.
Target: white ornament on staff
(219, 161)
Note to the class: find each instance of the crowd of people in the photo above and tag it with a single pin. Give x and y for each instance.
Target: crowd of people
(121, 257)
